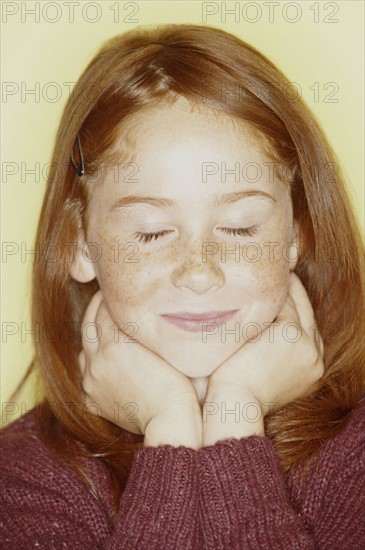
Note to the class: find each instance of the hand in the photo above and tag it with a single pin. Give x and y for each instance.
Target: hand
(278, 367)
(117, 372)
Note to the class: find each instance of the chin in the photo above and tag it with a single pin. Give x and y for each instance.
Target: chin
(194, 366)
(196, 372)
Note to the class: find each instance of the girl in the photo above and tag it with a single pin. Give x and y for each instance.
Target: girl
(199, 289)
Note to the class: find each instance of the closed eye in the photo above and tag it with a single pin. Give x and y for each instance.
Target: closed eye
(147, 237)
(240, 231)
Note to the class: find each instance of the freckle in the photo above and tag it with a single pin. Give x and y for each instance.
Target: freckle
(136, 281)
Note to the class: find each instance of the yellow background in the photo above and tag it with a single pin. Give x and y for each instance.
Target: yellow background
(44, 52)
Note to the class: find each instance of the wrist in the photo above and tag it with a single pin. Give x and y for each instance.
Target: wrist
(178, 428)
(230, 415)
(226, 394)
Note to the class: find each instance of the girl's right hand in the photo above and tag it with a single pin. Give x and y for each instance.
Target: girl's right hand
(131, 386)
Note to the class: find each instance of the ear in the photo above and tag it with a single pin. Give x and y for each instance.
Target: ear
(293, 248)
(82, 267)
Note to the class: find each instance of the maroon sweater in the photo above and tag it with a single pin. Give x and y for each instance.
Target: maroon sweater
(231, 495)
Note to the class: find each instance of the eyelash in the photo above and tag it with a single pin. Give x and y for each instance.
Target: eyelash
(147, 237)
(240, 231)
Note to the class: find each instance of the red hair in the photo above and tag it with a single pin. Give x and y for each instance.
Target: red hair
(130, 73)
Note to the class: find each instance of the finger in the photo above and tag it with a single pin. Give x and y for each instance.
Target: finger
(302, 304)
(109, 327)
(318, 340)
(288, 311)
(106, 324)
(92, 308)
(89, 328)
(82, 363)
(82, 366)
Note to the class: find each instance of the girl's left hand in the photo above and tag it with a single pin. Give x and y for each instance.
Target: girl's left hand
(277, 367)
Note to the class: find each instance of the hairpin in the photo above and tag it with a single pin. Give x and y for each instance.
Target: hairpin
(80, 169)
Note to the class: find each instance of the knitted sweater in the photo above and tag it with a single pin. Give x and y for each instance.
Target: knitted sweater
(231, 495)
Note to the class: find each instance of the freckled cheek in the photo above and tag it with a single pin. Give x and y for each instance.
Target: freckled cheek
(127, 277)
(265, 270)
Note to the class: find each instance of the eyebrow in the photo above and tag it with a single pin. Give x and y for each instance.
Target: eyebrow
(161, 202)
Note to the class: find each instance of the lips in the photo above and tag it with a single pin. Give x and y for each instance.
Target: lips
(208, 316)
(196, 322)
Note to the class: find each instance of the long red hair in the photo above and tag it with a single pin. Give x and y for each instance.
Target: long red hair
(205, 65)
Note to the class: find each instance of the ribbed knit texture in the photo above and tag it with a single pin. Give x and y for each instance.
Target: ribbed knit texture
(228, 496)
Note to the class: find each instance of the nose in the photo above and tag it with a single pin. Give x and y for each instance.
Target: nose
(197, 275)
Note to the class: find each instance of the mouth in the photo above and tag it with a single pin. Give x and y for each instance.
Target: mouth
(195, 322)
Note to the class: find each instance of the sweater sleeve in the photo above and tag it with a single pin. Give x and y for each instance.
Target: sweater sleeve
(244, 502)
(46, 507)
(159, 508)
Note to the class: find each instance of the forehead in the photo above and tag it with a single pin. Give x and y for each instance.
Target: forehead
(183, 123)
(185, 152)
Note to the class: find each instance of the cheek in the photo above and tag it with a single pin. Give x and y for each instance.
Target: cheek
(272, 280)
(266, 274)
(126, 284)
(271, 269)
(128, 277)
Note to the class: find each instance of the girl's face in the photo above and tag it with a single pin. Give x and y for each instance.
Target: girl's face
(204, 177)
